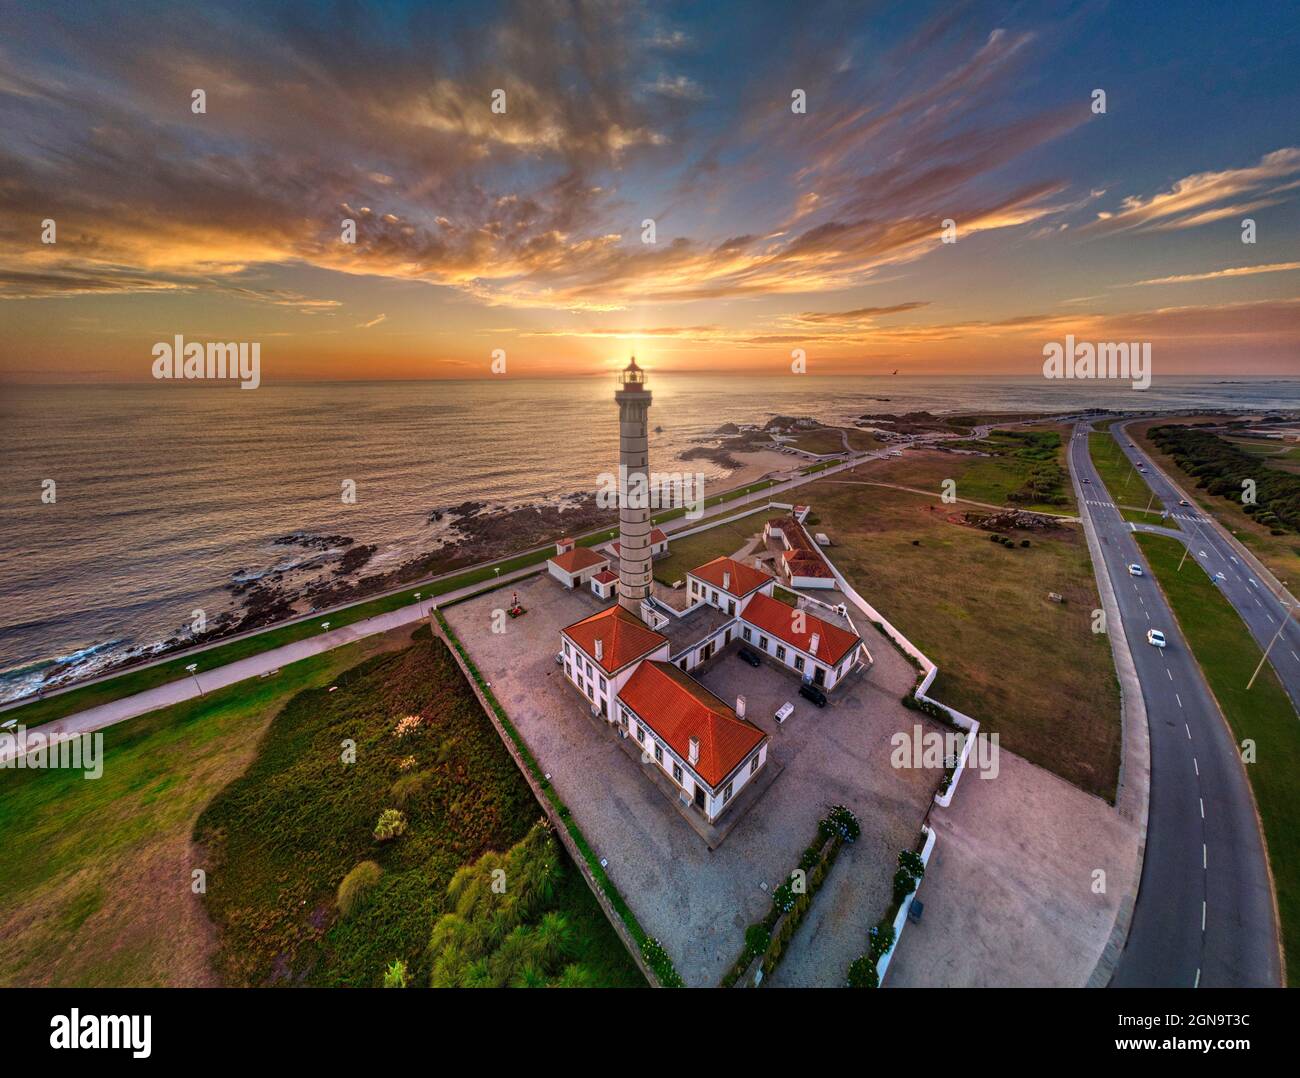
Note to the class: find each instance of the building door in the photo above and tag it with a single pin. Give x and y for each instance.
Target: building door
(819, 675)
(726, 638)
(699, 797)
(706, 651)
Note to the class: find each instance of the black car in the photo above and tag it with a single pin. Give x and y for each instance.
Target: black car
(749, 657)
(811, 692)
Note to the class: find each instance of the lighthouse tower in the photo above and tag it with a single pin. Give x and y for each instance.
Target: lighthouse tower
(633, 520)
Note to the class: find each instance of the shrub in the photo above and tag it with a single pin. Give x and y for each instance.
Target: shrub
(406, 763)
(880, 939)
(783, 898)
(757, 937)
(407, 726)
(862, 973)
(354, 889)
(395, 975)
(1024, 542)
(409, 786)
(392, 824)
(841, 821)
(904, 885)
(911, 861)
(657, 959)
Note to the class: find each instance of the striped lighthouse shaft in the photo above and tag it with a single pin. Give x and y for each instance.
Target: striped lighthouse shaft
(634, 508)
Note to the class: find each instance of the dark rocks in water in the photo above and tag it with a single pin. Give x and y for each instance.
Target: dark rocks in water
(659, 430)
(313, 542)
(355, 558)
(727, 428)
(435, 516)
(466, 509)
(718, 456)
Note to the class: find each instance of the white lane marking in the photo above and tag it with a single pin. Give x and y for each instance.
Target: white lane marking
(1205, 857)
(1197, 766)
(1197, 982)
(1170, 673)
(1147, 614)
(1202, 915)
(1202, 801)
(1189, 731)
(1179, 699)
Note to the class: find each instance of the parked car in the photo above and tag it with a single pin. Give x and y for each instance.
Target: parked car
(749, 657)
(784, 712)
(1155, 638)
(1183, 501)
(1135, 570)
(811, 692)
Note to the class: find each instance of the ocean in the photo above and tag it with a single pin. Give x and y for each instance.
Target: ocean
(165, 494)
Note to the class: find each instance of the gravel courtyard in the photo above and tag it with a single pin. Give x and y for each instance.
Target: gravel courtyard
(696, 901)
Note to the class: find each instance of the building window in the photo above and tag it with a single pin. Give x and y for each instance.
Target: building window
(682, 664)
(677, 773)
(753, 764)
(726, 794)
(566, 647)
(715, 596)
(762, 643)
(659, 753)
(602, 684)
(746, 634)
(640, 732)
(798, 662)
(780, 652)
(731, 606)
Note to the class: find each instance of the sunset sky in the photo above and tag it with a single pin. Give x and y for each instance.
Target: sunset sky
(522, 231)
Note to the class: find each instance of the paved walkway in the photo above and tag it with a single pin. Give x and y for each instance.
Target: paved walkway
(175, 692)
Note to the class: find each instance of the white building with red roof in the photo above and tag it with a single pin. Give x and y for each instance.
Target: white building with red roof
(726, 584)
(574, 565)
(700, 743)
(800, 562)
(816, 649)
(602, 651)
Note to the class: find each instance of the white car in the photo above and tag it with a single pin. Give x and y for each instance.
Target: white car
(1135, 570)
(1219, 576)
(1155, 638)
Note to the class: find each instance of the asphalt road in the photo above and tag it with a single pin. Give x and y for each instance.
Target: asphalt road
(1204, 912)
(1262, 611)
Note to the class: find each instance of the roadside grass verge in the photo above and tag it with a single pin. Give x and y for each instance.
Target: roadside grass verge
(95, 875)
(1227, 655)
(1280, 553)
(1118, 475)
(281, 837)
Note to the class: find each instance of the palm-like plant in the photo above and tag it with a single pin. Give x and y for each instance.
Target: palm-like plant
(577, 976)
(554, 938)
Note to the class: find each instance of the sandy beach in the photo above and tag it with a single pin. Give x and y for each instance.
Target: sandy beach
(753, 466)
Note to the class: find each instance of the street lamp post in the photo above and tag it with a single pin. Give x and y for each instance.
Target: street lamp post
(1286, 617)
(192, 670)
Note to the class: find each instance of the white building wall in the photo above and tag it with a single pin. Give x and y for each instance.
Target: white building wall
(792, 653)
(580, 667)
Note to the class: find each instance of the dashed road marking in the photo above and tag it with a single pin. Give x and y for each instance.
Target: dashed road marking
(1197, 766)
(1179, 699)
(1202, 801)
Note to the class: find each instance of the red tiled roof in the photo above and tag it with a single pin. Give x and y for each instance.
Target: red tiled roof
(803, 557)
(626, 637)
(677, 707)
(744, 578)
(606, 576)
(774, 617)
(579, 558)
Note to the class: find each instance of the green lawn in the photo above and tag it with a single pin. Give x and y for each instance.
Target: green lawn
(280, 838)
(820, 466)
(1228, 654)
(1024, 468)
(1027, 668)
(95, 875)
(694, 550)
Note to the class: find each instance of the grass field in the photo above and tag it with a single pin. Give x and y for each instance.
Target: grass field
(281, 837)
(1026, 667)
(95, 875)
(1025, 468)
(1228, 654)
(1280, 553)
(694, 550)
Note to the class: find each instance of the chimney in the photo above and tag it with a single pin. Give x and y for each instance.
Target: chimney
(740, 706)
(726, 579)
(812, 644)
(693, 756)
(600, 649)
(563, 545)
